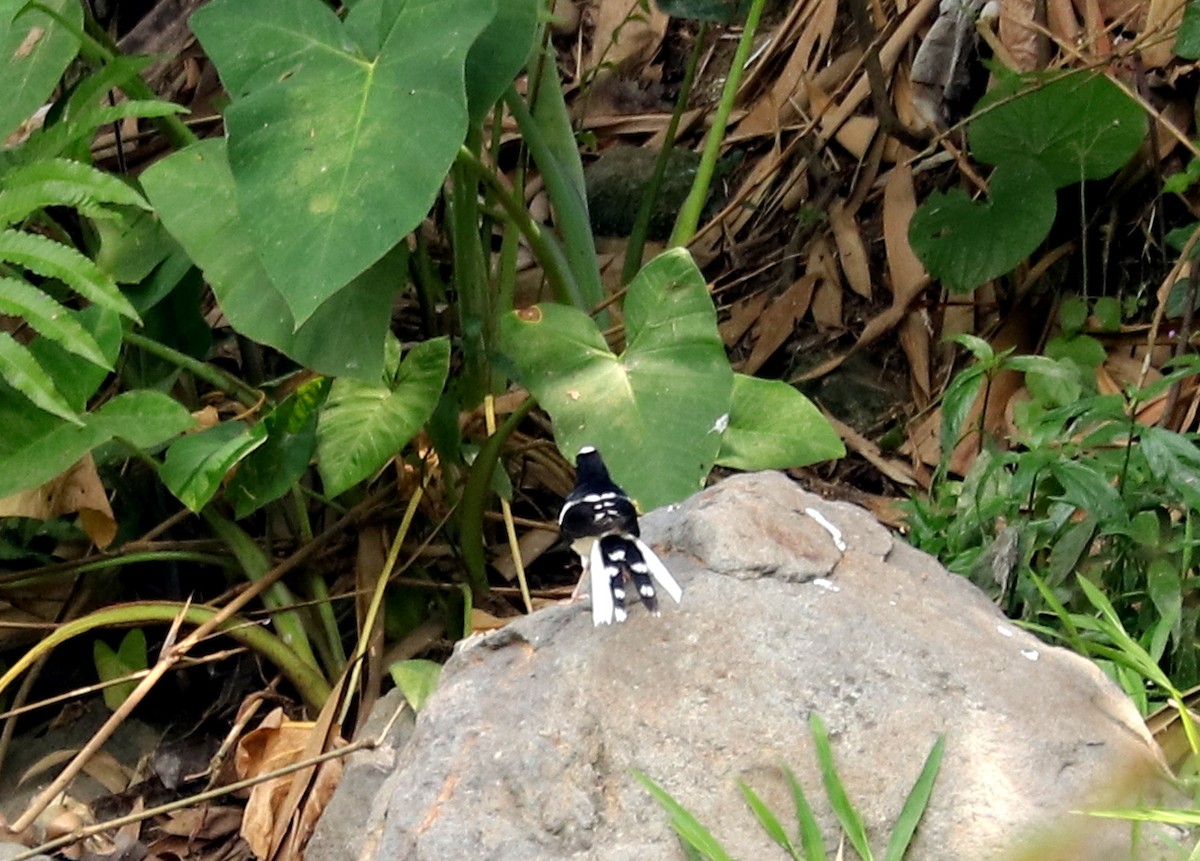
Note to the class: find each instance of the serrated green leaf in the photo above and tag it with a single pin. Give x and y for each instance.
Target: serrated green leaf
(416, 679)
(51, 259)
(196, 464)
(36, 51)
(1077, 127)
(965, 243)
(338, 150)
(773, 426)
(20, 370)
(37, 446)
(49, 319)
(655, 412)
(194, 193)
(364, 425)
(61, 182)
(272, 469)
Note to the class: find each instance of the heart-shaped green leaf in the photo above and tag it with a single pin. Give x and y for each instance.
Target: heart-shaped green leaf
(110, 664)
(773, 426)
(340, 137)
(964, 243)
(194, 193)
(1082, 126)
(655, 412)
(363, 425)
(195, 465)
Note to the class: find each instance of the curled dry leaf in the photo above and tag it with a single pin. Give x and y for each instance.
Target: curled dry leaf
(76, 491)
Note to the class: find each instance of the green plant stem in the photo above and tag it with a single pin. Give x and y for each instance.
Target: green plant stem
(309, 683)
(693, 206)
(477, 492)
(636, 245)
(569, 210)
(545, 247)
(470, 277)
(277, 598)
(223, 381)
(33, 576)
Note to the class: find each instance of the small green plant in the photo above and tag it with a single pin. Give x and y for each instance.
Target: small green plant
(1080, 488)
(808, 844)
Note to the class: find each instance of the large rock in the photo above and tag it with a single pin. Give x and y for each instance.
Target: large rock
(525, 751)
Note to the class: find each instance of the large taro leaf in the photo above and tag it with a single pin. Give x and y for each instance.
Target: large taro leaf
(340, 136)
(34, 51)
(363, 425)
(1082, 126)
(655, 412)
(499, 53)
(964, 243)
(194, 194)
(773, 426)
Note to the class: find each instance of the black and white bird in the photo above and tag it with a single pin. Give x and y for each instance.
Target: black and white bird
(602, 524)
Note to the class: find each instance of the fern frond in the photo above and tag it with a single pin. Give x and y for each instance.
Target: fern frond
(50, 319)
(62, 182)
(57, 139)
(51, 259)
(20, 370)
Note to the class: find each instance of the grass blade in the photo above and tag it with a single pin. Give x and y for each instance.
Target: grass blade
(851, 821)
(768, 820)
(915, 804)
(685, 824)
(810, 831)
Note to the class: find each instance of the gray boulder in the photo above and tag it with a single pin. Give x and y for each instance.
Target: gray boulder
(792, 605)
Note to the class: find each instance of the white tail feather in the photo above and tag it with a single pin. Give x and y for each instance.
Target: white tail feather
(659, 571)
(601, 583)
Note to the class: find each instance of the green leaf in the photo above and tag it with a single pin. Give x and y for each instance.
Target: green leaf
(1108, 312)
(767, 819)
(416, 679)
(1079, 126)
(915, 803)
(1174, 460)
(773, 426)
(36, 50)
(685, 824)
(132, 245)
(37, 446)
(271, 470)
(810, 829)
(656, 411)
(129, 658)
(1187, 38)
(79, 379)
(965, 243)
(49, 319)
(338, 149)
(1165, 587)
(20, 370)
(851, 820)
(499, 54)
(364, 425)
(196, 464)
(51, 259)
(194, 194)
(61, 182)
(1088, 489)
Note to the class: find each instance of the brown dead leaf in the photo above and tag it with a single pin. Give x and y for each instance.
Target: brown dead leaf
(203, 822)
(1162, 19)
(624, 36)
(851, 250)
(777, 323)
(76, 491)
(742, 315)
(532, 544)
(1020, 34)
(276, 743)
